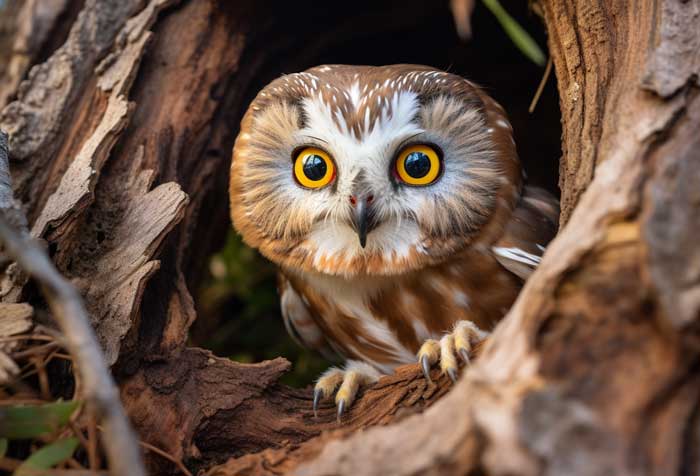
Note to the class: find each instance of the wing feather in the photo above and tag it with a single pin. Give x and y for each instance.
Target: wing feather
(532, 226)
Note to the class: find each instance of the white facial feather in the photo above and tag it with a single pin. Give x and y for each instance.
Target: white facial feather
(363, 123)
(371, 155)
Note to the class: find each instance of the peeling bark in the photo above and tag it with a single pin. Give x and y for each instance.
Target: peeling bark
(120, 143)
(596, 368)
(28, 30)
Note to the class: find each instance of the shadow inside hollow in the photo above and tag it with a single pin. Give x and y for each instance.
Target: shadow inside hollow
(238, 309)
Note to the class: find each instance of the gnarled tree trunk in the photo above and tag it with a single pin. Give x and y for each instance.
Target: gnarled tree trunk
(121, 140)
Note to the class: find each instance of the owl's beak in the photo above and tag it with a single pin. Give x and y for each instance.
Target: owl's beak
(363, 217)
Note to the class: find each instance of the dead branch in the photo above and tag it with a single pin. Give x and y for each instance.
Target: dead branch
(462, 13)
(66, 304)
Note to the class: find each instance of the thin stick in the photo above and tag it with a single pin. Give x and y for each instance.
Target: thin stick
(27, 337)
(33, 351)
(162, 453)
(167, 456)
(67, 309)
(93, 456)
(43, 378)
(540, 88)
(78, 434)
(73, 463)
(48, 359)
(462, 14)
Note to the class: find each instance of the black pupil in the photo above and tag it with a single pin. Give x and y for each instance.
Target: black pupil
(417, 164)
(315, 167)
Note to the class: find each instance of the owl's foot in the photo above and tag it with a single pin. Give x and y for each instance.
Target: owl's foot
(350, 379)
(459, 342)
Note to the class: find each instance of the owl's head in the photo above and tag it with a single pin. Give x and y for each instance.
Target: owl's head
(359, 170)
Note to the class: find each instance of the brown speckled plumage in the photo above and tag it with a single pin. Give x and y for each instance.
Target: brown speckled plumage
(457, 249)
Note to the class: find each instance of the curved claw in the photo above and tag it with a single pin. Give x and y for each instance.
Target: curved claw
(317, 398)
(452, 372)
(341, 409)
(465, 356)
(425, 365)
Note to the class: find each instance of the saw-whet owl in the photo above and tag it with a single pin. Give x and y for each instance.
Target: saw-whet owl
(393, 202)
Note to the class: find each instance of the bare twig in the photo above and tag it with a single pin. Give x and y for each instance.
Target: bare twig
(540, 88)
(37, 350)
(93, 456)
(73, 464)
(167, 456)
(27, 337)
(67, 308)
(462, 15)
(78, 434)
(43, 377)
(162, 453)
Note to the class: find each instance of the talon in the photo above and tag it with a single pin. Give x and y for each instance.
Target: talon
(425, 365)
(427, 356)
(448, 360)
(465, 356)
(317, 397)
(341, 409)
(347, 382)
(452, 372)
(449, 349)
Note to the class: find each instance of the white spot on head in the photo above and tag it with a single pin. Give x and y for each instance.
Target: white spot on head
(354, 95)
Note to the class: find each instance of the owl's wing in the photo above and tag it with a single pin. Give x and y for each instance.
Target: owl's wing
(532, 226)
(299, 322)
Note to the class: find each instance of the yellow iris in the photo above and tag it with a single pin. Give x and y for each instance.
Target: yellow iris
(418, 165)
(313, 168)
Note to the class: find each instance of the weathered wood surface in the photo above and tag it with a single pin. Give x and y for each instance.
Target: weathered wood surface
(596, 368)
(120, 142)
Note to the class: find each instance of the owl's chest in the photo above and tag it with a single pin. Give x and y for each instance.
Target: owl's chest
(384, 320)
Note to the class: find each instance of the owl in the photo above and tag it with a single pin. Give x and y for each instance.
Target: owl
(393, 202)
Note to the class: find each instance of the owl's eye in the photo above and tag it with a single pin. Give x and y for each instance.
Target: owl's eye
(418, 165)
(313, 168)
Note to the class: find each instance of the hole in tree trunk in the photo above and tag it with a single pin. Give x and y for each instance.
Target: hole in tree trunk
(237, 304)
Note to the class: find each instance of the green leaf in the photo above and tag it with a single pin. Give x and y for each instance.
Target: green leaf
(3, 447)
(47, 457)
(29, 421)
(517, 34)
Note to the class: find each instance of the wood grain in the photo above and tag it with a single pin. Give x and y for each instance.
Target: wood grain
(120, 147)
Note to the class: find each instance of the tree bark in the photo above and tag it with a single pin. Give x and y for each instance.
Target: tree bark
(120, 142)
